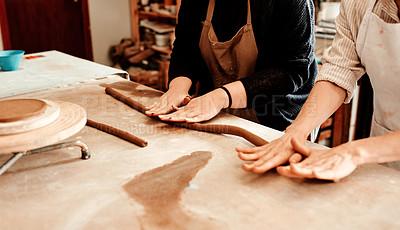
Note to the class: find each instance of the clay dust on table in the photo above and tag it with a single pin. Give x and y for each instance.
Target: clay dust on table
(159, 191)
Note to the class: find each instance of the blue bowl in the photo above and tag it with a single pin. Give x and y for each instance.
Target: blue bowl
(10, 59)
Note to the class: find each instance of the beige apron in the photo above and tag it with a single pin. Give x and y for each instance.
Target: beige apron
(231, 60)
(378, 46)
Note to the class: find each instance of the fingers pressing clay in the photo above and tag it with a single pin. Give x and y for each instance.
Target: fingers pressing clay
(295, 158)
(300, 148)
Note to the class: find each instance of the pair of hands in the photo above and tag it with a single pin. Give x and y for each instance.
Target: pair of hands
(185, 108)
(330, 164)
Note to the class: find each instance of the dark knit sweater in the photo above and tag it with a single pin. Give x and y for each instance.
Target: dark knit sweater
(286, 66)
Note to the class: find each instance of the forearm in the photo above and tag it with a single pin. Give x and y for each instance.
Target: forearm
(181, 84)
(267, 85)
(325, 98)
(238, 94)
(376, 149)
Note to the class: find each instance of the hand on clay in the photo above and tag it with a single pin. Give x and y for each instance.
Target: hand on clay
(198, 109)
(168, 102)
(330, 164)
(269, 156)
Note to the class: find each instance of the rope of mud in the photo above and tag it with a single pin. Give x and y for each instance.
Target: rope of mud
(210, 128)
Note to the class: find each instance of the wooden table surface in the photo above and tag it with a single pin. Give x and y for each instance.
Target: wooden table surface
(58, 190)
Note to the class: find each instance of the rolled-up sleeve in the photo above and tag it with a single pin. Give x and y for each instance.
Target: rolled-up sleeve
(341, 64)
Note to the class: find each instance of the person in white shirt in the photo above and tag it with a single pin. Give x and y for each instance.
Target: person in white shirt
(367, 41)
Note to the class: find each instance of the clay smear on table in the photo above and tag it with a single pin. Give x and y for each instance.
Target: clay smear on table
(159, 191)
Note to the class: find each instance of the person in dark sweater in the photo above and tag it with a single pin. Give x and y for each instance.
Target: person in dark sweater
(261, 59)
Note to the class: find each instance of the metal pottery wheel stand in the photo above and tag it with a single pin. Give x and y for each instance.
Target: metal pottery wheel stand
(85, 153)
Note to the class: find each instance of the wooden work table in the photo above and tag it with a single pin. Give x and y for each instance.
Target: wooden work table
(58, 190)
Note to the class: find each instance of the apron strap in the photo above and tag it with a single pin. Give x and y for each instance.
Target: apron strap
(248, 13)
(371, 5)
(210, 10)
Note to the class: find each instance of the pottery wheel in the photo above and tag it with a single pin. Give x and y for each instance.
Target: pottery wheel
(22, 115)
(18, 109)
(34, 123)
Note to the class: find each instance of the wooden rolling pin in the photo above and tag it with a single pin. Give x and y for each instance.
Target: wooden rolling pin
(117, 132)
(211, 128)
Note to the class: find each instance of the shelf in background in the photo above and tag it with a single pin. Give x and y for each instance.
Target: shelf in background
(155, 14)
(164, 50)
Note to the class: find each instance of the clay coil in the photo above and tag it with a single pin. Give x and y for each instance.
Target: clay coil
(117, 132)
(211, 128)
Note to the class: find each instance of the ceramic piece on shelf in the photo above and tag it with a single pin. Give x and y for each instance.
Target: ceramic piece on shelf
(162, 39)
(147, 8)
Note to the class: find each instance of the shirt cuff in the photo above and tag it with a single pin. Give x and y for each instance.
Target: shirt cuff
(342, 77)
